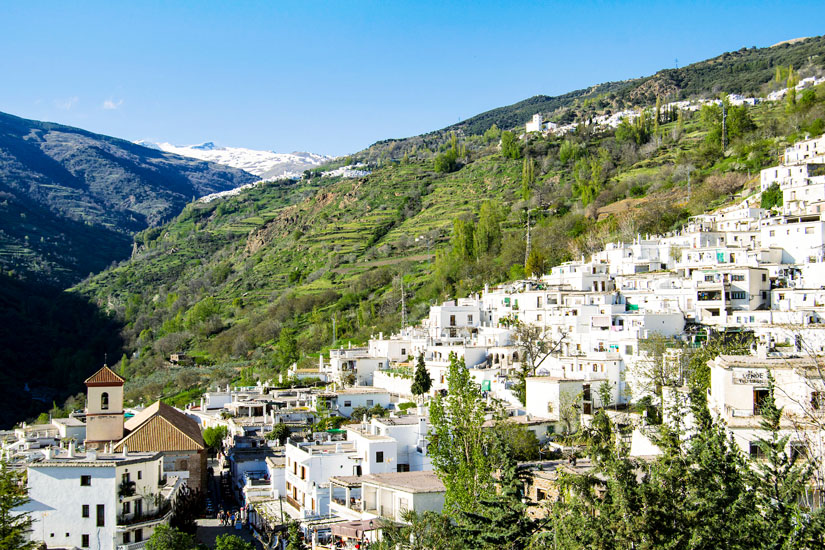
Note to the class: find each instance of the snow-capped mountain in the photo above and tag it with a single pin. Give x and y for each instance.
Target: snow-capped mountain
(266, 164)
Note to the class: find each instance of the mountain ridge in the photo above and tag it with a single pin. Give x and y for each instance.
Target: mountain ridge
(104, 187)
(267, 165)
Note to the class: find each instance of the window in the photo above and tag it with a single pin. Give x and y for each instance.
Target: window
(756, 451)
(85, 481)
(127, 537)
(84, 511)
(138, 535)
(809, 230)
(104, 401)
(759, 397)
(348, 403)
(403, 468)
(140, 474)
(369, 402)
(403, 351)
(628, 350)
(764, 277)
(452, 320)
(379, 456)
(127, 507)
(84, 541)
(303, 472)
(738, 295)
(817, 400)
(737, 277)
(101, 515)
(125, 478)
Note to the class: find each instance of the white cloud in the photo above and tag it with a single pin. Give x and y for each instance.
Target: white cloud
(110, 104)
(66, 104)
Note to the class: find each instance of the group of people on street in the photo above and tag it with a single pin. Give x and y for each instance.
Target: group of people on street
(227, 518)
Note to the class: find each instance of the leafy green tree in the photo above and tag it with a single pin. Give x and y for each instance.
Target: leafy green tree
(462, 240)
(169, 538)
(287, 348)
(536, 264)
(500, 519)
(459, 446)
(295, 537)
(510, 146)
(214, 436)
(446, 162)
(14, 526)
(232, 542)
(421, 380)
(520, 443)
(772, 196)
(492, 135)
(528, 178)
(420, 531)
(280, 432)
(488, 230)
(188, 506)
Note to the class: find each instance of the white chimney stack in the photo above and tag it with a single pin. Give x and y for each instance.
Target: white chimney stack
(71, 449)
(125, 451)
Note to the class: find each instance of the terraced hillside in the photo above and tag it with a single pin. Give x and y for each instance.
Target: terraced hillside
(250, 284)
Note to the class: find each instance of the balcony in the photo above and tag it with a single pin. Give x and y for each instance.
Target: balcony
(133, 546)
(145, 519)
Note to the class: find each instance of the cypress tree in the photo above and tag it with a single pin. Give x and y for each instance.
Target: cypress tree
(421, 381)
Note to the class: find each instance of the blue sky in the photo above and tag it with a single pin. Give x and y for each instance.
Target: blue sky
(334, 77)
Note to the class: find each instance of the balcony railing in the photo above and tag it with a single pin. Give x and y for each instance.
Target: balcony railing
(132, 546)
(164, 511)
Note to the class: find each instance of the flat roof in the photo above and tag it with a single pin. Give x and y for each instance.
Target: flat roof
(102, 461)
(410, 482)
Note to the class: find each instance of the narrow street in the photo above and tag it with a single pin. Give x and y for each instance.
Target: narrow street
(220, 495)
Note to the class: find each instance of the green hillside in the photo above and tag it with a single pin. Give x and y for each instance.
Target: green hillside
(749, 71)
(70, 200)
(249, 284)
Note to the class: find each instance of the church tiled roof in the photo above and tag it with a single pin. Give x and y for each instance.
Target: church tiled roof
(161, 427)
(104, 377)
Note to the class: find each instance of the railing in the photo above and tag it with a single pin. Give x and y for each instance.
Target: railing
(160, 514)
(293, 502)
(133, 546)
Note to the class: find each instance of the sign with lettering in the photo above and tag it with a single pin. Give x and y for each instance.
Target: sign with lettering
(750, 376)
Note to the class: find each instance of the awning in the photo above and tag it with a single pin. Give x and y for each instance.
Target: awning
(355, 529)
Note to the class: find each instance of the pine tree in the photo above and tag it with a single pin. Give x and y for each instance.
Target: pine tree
(421, 381)
(13, 526)
(295, 537)
(780, 481)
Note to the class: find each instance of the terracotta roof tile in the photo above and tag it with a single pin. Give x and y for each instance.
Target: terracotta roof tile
(161, 427)
(104, 377)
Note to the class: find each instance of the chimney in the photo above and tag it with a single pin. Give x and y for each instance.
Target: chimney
(71, 449)
(47, 452)
(125, 451)
(91, 454)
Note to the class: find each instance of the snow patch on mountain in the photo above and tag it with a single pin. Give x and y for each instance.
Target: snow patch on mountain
(266, 164)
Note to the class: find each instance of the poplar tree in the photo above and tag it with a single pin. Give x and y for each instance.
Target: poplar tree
(459, 446)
